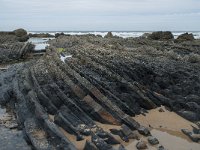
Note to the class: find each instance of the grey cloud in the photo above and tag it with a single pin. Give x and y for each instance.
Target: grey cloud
(100, 14)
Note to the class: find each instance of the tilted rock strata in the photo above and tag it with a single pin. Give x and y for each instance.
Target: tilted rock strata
(107, 80)
(13, 46)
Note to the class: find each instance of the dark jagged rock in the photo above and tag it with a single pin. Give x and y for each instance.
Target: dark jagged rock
(23, 38)
(126, 130)
(100, 143)
(161, 35)
(12, 46)
(129, 133)
(121, 147)
(100, 82)
(189, 115)
(185, 37)
(20, 32)
(111, 140)
(152, 140)
(114, 131)
(60, 34)
(15, 52)
(141, 145)
(161, 147)
(109, 35)
(144, 131)
(89, 146)
(107, 137)
(191, 135)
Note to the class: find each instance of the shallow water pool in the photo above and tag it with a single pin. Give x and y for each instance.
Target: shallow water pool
(40, 43)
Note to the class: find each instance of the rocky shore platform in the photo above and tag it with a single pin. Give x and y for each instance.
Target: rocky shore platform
(100, 93)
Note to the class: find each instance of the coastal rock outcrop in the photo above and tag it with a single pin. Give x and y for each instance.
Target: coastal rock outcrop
(109, 35)
(13, 46)
(85, 82)
(141, 145)
(185, 37)
(21, 34)
(59, 34)
(161, 35)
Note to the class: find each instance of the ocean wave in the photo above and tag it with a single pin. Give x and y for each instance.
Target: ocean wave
(126, 34)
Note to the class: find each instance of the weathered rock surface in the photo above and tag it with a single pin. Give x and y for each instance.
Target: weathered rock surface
(141, 145)
(12, 46)
(61, 34)
(109, 35)
(185, 37)
(12, 140)
(161, 35)
(106, 80)
(194, 137)
(152, 140)
(21, 34)
(161, 147)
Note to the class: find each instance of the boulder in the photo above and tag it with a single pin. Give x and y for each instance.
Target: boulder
(160, 35)
(161, 147)
(189, 115)
(126, 130)
(129, 133)
(23, 38)
(100, 143)
(152, 140)
(89, 146)
(111, 140)
(143, 130)
(191, 135)
(59, 34)
(141, 145)
(193, 106)
(20, 32)
(21, 35)
(185, 37)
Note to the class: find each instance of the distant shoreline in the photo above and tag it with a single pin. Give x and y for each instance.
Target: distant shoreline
(124, 34)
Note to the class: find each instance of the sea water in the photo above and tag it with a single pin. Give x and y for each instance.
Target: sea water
(40, 43)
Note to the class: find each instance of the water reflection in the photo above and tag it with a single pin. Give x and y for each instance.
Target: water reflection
(40, 43)
(174, 142)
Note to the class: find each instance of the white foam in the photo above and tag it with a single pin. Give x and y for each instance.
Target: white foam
(63, 58)
(124, 34)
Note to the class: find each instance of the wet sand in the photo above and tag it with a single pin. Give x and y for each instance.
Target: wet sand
(167, 120)
(172, 142)
(166, 126)
(78, 144)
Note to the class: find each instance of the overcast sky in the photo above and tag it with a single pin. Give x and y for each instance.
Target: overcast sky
(100, 15)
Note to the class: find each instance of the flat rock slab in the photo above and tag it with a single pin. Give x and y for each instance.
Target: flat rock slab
(12, 140)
